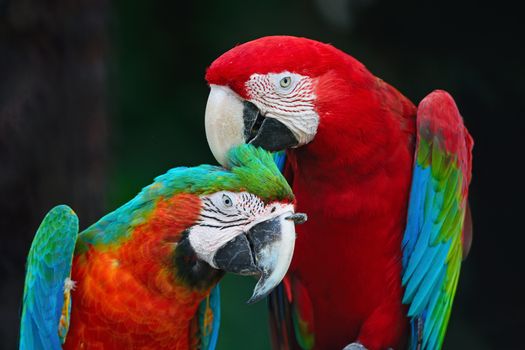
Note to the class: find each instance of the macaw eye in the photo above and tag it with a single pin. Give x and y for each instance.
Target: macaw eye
(227, 201)
(285, 82)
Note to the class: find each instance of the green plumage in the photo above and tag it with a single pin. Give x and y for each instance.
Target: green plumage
(251, 169)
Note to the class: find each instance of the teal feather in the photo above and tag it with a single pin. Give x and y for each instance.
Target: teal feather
(48, 266)
(209, 332)
(428, 280)
(251, 169)
(280, 159)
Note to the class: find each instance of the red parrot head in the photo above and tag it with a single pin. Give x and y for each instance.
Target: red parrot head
(279, 92)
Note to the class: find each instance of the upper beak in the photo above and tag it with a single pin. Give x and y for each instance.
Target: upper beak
(230, 121)
(265, 250)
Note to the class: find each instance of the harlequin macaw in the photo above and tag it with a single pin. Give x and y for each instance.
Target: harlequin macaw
(144, 276)
(384, 184)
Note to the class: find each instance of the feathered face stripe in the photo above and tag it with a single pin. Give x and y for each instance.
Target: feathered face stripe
(227, 209)
(289, 98)
(224, 215)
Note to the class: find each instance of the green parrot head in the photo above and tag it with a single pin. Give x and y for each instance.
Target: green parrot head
(246, 220)
(238, 219)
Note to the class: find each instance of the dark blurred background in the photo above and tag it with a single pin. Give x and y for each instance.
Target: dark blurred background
(98, 97)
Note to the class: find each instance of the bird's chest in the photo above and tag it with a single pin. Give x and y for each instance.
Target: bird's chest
(362, 215)
(350, 213)
(113, 309)
(348, 253)
(351, 238)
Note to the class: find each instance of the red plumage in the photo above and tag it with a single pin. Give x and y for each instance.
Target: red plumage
(352, 180)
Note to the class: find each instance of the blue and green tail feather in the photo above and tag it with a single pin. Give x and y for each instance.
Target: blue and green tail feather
(48, 266)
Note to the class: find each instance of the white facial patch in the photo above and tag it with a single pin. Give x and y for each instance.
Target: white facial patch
(289, 98)
(224, 216)
(206, 241)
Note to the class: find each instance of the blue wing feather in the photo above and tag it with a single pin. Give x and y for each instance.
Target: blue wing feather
(280, 159)
(432, 239)
(209, 332)
(48, 266)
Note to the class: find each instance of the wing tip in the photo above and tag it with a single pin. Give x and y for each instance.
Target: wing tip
(439, 107)
(62, 210)
(439, 116)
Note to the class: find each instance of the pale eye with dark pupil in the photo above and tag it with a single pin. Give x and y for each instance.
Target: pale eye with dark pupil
(285, 82)
(227, 201)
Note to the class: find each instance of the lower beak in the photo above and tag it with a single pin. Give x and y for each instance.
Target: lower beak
(230, 121)
(265, 250)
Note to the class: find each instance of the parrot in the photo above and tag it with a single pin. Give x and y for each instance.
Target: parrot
(384, 184)
(145, 275)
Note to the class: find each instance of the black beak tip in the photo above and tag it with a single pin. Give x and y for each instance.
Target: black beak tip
(298, 218)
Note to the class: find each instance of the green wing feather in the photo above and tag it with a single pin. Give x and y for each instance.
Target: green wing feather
(432, 243)
(48, 266)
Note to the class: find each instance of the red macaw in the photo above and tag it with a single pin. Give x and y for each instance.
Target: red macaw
(384, 183)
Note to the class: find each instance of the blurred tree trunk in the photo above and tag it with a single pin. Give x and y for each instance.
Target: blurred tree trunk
(53, 127)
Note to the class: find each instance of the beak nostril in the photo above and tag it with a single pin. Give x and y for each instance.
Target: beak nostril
(298, 218)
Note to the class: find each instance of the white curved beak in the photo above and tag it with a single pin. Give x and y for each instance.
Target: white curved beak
(274, 256)
(223, 121)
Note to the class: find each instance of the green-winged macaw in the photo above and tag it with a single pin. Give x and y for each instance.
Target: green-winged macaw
(384, 184)
(145, 275)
